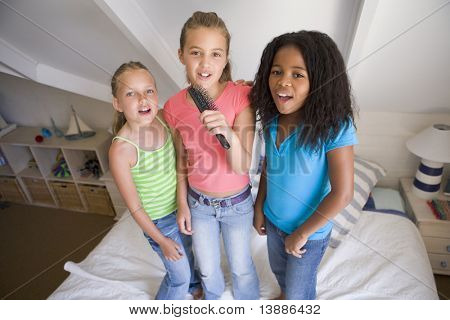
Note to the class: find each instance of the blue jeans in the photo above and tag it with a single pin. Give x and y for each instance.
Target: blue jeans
(181, 276)
(235, 223)
(297, 277)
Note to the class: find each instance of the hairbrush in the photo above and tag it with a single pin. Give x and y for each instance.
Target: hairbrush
(204, 102)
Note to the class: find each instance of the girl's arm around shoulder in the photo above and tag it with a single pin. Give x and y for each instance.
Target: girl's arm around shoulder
(341, 173)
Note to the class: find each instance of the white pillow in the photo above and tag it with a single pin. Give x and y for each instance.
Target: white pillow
(388, 199)
(367, 174)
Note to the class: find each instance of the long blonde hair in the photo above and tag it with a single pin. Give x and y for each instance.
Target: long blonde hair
(208, 20)
(119, 117)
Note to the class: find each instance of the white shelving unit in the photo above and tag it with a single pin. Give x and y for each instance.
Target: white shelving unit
(30, 166)
(119, 204)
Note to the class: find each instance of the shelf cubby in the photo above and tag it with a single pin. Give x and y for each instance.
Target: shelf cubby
(67, 195)
(18, 156)
(46, 159)
(96, 199)
(77, 160)
(25, 180)
(11, 190)
(6, 170)
(38, 191)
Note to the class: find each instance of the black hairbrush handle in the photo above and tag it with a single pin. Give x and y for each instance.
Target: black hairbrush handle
(223, 141)
(204, 102)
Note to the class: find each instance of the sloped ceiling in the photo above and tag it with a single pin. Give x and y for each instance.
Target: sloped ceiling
(71, 45)
(400, 59)
(77, 45)
(252, 24)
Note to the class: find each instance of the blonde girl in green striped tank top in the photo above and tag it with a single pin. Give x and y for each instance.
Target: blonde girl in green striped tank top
(142, 162)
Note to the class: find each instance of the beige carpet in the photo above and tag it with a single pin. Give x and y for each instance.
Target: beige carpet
(35, 242)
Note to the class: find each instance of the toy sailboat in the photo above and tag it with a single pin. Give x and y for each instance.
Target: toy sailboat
(77, 128)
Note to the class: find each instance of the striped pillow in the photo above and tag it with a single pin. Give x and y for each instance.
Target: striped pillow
(367, 174)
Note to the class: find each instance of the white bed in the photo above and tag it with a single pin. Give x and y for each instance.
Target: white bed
(382, 258)
(372, 255)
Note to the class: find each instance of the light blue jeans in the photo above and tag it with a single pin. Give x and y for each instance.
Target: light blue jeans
(181, 277)
(297, 277)
(235, 223)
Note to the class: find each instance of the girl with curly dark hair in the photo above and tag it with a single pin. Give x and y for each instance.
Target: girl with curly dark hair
(302, 97)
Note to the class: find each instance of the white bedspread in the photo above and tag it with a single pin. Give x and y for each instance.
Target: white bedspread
(384, 258)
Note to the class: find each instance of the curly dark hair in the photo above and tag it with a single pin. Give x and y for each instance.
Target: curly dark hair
(329, 102)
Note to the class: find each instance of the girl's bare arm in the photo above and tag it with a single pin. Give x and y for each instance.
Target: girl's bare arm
(340, 171)
(121, 157)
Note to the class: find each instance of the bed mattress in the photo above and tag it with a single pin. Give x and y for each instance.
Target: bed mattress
(383, 258)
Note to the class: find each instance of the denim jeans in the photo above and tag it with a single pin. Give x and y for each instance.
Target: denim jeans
(235, 224)
(181, 277)
(297, 277)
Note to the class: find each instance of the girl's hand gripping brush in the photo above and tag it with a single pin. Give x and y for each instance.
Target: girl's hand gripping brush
(204, 102)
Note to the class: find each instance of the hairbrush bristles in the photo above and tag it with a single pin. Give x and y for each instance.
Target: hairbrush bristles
(204, 102)
(201, 98)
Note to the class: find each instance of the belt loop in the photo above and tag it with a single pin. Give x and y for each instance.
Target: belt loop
(215, 204)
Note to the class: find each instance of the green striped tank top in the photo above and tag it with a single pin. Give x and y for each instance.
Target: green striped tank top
(155, 177)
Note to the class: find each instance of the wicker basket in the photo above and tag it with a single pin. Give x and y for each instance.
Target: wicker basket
(11, 191)
(97, 199)
(67, 195)
(38, 191)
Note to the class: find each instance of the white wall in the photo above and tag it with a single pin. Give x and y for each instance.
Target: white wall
(400, 58)
(382, 138)
(28, 103)
(254, 23)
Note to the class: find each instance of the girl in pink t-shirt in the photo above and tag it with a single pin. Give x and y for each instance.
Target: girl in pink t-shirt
(213, 191)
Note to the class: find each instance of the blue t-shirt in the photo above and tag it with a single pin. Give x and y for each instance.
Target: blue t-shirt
(297, 178)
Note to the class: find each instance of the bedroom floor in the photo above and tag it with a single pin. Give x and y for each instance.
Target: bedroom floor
(35, 242)
(443, 286)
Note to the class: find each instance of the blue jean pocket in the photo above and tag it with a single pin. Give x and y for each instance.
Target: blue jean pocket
(166, 225)
(152, 242)
(320, 245)
(192, 202)
(244, 207)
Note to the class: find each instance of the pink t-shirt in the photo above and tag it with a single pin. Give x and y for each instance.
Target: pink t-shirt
(208, 169)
